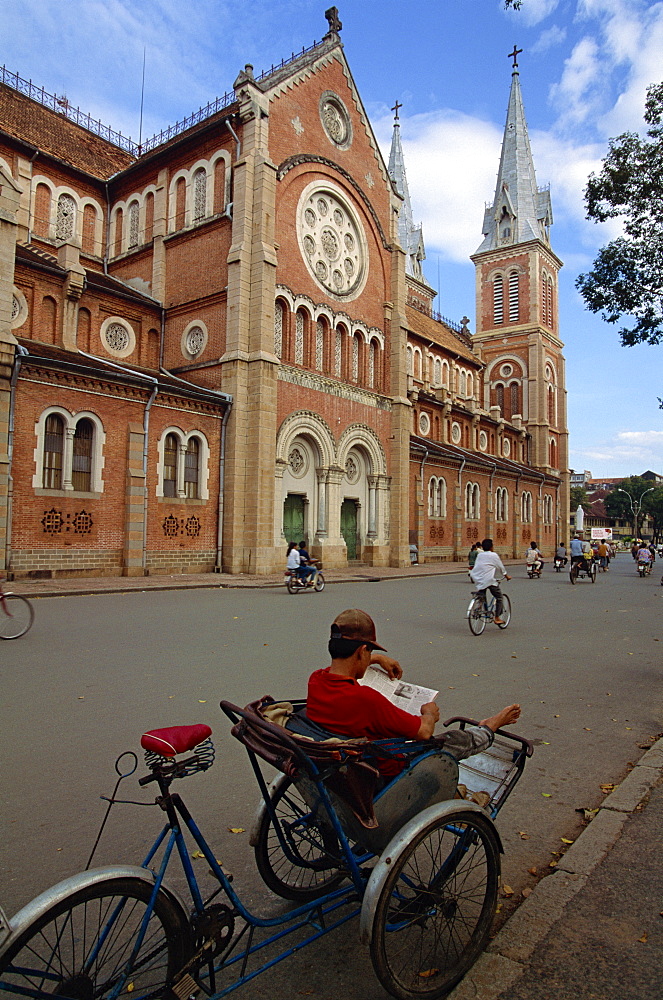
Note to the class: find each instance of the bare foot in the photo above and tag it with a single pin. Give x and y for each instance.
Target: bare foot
(504, 718)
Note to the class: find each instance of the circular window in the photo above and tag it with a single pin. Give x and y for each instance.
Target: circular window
(506, 370)
(332, 241)
(424, 424)
(335, 120)
(456, 433)
(194, 339)
(19, 308)
(483, 440)
(118, 336)
(506, 447)
(549, 373)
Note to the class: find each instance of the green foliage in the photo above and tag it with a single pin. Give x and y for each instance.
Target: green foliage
(627, 276)
(578, 497)
(618, 504)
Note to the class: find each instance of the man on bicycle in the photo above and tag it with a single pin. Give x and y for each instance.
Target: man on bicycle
(577, 549)
(487, 574)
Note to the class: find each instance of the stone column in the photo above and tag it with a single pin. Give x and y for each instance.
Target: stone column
(69, 258)
(321, 528)
(159, 231)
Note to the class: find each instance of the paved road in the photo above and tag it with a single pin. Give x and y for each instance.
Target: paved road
(95, 672)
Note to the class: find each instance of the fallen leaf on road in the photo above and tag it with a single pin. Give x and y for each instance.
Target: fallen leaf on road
(545, 743)
(450, 688)
(202, 701)
(547, 795)
(588, 814)
(197, 855)
(475, 675)
(513, 656)
(507, 890)
(523, 835)
(643, 939)
(236, 829)
(565, 840)
(532, 871)
(427, 973)
(553, 864)
(526, 893)
(586, 729)
(607, 788)
(555, 716)
(629, 728)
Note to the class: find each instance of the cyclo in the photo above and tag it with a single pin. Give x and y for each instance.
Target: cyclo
(583, 566)
(419, 867)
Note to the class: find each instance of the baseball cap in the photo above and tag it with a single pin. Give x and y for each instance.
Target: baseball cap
(357, 625)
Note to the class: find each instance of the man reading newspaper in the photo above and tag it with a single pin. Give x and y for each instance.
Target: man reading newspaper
(341, 704)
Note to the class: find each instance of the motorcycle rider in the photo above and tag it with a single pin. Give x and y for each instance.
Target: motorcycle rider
(560, 554)
(534, 560)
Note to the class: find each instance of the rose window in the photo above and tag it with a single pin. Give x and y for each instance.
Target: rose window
(296, 461)
(195, 340)
(116, 337)
(332, 242)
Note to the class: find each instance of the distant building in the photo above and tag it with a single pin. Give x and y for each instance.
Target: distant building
(580, 478)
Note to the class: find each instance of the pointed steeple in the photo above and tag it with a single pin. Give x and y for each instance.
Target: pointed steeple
(520, 212)
(410, 236)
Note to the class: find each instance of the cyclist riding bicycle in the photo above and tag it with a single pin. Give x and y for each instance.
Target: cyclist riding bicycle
(580, 550)
(485, 576)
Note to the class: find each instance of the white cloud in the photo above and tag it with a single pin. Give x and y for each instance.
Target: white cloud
(574, 95)
(631, 453)
(548, 39)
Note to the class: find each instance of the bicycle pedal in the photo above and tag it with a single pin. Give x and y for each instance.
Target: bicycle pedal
(185, 988)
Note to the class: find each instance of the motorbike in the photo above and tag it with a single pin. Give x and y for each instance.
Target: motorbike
(644, 568)
(534, 571)
(295, 583)
(559, 563)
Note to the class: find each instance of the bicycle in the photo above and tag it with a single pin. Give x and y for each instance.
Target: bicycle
(426, 906)
(16, 615)
(581, 567)
(296, 583)
(481, 610)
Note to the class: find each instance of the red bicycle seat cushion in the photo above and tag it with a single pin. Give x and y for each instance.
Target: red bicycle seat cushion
(175, 739)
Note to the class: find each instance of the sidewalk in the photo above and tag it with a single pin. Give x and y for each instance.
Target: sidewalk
(592, 930)
(61, 587)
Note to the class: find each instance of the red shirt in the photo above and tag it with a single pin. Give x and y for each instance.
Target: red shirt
(345, 707)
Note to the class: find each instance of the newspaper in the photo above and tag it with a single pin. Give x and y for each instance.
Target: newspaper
(409, 697)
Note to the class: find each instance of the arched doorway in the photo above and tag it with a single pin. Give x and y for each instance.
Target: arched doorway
(293, 517)
(349, 526)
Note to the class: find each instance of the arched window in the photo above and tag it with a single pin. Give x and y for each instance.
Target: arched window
(134, 225)
(501, 504)
(526, 507)
(551, 405)
(462, 388)
(410, 360)
(299, 338)
(199, 194)
(42, 212)
(549, 290)
(355, 358)
(417, 364)
(514, 392)
(89, 244)
(553, 454)
(437, 497)
(547, 509)
(498, 300)
(499, 396)
(278, 329)
(514, 304)
(149, 217)
(319, 345)
(53, 452)
(117, 242)
(81, 467)
(472, 501)
(170, 466)
(219, 185)
(437, 372)
(192, 469)
(445, 374)
(65, 223)
(338, 352)
(180, 203)
(372, 354)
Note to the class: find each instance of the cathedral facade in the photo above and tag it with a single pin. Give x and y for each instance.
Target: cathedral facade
(223, 340)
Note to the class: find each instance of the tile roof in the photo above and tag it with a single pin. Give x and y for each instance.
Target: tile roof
(430, 329)
(474, 458)
(54, 134)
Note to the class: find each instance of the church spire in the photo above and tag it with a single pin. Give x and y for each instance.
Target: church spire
(410, 236)
(519, 212)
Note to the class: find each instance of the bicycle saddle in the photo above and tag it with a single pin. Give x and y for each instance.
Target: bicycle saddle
(174, 739)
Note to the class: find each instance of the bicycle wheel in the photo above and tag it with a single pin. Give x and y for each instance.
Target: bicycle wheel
(16, 616)
(293, 585)
(310, 867)
(592, 573)
(573, 575)
(506, 611)
(82, 947)
(436, 906)
(319, 582)
(475, 616)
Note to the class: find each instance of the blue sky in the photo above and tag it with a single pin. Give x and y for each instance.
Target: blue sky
(584, 69)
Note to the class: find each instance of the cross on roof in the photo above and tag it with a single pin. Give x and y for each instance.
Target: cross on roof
(395, 109)
(514, 55)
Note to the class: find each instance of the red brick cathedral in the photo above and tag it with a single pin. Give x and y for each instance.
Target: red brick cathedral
(222, 340)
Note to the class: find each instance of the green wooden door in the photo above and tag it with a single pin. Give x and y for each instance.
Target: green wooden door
(349, 526)
(293, 518)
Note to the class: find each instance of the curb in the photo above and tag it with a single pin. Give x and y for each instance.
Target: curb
(506, 957)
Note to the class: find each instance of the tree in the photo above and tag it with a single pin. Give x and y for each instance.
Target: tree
(639, 500)
(627, 276)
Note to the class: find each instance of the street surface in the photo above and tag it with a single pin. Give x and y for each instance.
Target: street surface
(95, 672)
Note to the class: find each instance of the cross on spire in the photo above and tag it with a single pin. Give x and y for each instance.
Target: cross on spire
(514, 55)
(395, 109)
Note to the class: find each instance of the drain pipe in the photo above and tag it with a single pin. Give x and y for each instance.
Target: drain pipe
(222, 475)
(146, 427)
(460, 497)
(420, 536)
(21, 352)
